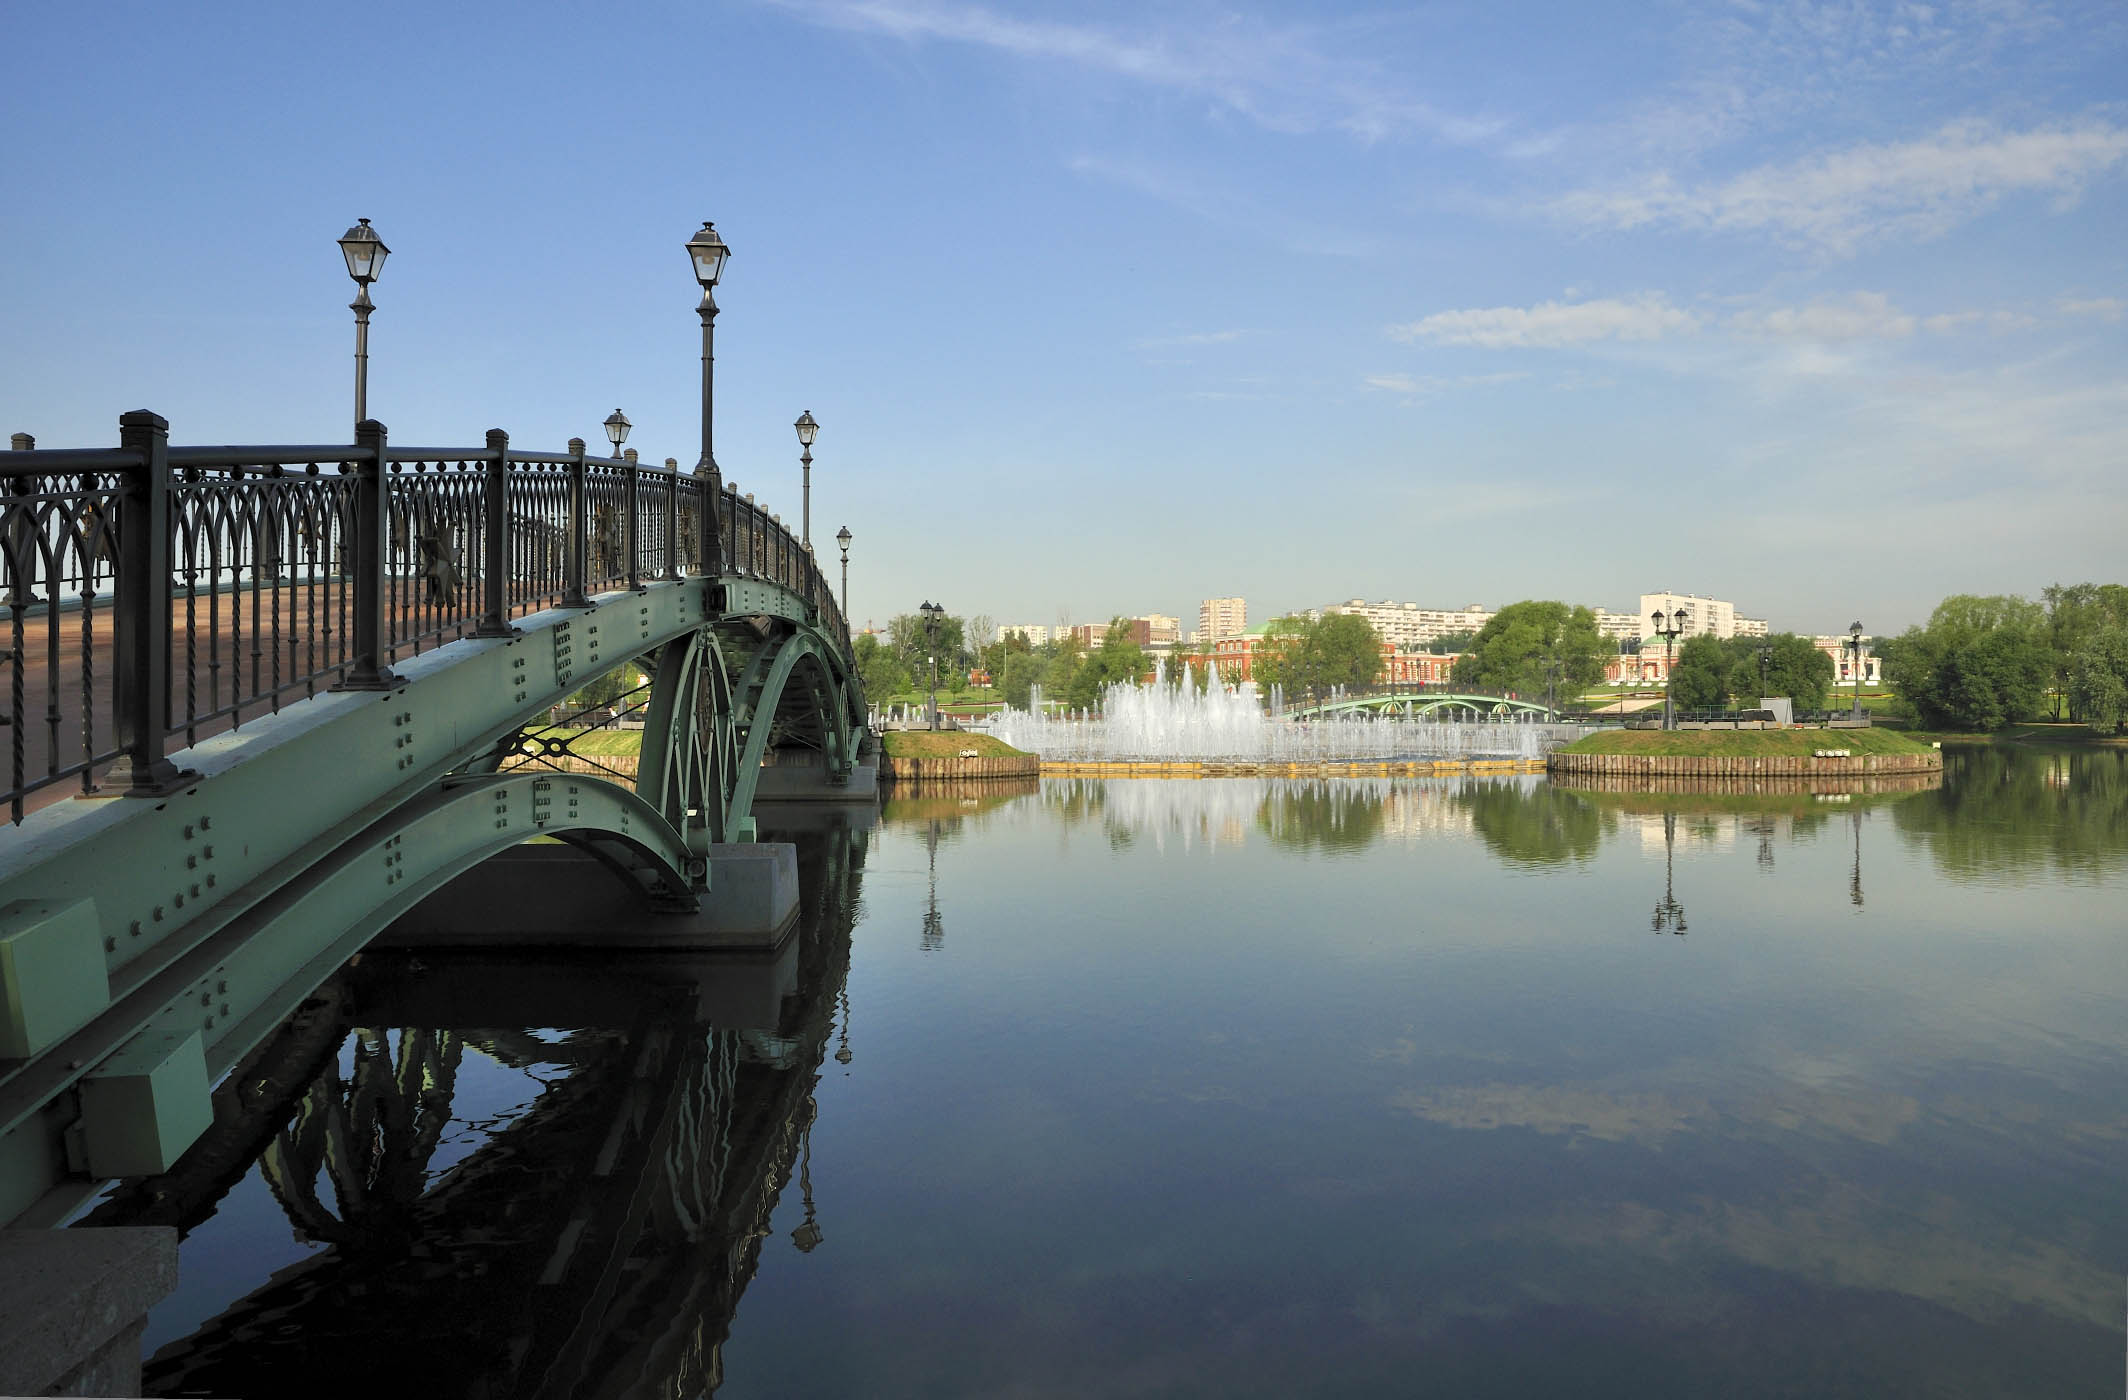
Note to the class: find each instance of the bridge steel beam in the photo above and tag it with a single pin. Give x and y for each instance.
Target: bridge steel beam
(103, 903)
(147, 945)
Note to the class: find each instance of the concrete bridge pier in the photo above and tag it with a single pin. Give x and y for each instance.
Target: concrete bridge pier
(803, 775)
(73, 1304)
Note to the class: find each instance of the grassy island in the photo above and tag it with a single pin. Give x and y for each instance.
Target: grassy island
(946, 743)
(1745, 743)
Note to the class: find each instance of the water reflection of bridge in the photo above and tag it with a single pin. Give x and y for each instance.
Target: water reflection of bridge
(595, 1245)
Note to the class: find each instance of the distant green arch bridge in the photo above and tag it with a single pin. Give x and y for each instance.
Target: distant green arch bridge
(1474, 705)
(261, 701)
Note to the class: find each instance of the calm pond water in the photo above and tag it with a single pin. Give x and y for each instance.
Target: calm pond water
(1468, 1087)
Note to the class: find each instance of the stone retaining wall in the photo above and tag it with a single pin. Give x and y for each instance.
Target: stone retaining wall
(1645, 765)
(926, 770)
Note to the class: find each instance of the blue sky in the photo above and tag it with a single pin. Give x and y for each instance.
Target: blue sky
(1818, 307)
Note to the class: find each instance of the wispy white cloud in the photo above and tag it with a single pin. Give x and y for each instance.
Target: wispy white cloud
(1226, 337)
(2104, 308)
(1427, 385)
(1863, 316)
(1551, 324)
(1864, 193)
(1290, 78)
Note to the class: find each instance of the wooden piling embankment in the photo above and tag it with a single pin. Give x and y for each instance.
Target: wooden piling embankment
(959, 770)
(1394, 768)
(1646, 765)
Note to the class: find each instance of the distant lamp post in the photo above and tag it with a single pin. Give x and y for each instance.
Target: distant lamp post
(365, 254)
(932, 613)
(842, 537)
(1669, 628)
(807, 431)
(617, 426)
(1854, 651)
(708, 252)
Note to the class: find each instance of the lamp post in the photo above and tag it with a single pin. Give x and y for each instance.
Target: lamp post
(807, 431)
(617, 426)
(932, 613)
(365, 254)
(842, 537)
(1854, 648)
(708, 252)
(1669, 628)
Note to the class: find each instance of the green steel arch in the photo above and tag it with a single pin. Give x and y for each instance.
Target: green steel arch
(1484, 706)
(175, 933)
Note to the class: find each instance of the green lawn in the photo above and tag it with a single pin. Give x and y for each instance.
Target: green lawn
(946, 743)
(1747, 743)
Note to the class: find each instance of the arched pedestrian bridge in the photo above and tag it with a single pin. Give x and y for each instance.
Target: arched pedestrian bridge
(261, 701)
(1480, 705)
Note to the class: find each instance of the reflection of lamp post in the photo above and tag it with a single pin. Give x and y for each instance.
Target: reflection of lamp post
(1669, 915)
(807, 431)
(809, 1234)
(1854, 649)
(1669, 629)
(365, 254)
(934, 926)
(842, 537)
(1854, 880)
(932, 613)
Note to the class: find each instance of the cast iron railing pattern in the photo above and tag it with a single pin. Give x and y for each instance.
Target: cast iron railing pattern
(264, 575)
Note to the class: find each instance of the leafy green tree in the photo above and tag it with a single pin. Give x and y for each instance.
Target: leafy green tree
(1023, 672)
(1342, 649)
(1980, 663)
(1522, 644)
(2098, 683)
(879, 670)
(907, 636)
(1700, 679)
(2077, 613)
(1117, 659)
(1794, 667)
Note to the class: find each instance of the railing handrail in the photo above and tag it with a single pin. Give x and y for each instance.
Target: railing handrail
(339, 566)
(66, 460)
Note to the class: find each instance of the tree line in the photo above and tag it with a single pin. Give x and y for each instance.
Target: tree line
(1981, 662)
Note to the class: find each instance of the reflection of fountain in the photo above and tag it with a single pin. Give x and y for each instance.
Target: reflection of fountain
(1669, 914)
(1229, 723)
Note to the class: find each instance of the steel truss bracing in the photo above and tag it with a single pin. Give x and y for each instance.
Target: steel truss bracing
(273, 834)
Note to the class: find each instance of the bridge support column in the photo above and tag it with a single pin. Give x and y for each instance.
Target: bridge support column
(73, 1304)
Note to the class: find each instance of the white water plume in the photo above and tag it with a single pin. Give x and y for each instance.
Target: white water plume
(1225, 723)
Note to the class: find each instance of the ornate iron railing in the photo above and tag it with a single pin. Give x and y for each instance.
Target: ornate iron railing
(262, 575)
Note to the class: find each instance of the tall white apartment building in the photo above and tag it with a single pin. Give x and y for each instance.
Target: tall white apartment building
(1036, 633)
(1702, 615)
(1408, 624)
(1222, 617)
(1618, 626)
(1161, 630)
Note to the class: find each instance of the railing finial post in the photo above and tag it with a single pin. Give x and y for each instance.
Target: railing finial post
(672, 518)
(495, 543)
(575, 594)
(632, 500)
(372, 508)
(143, 612)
